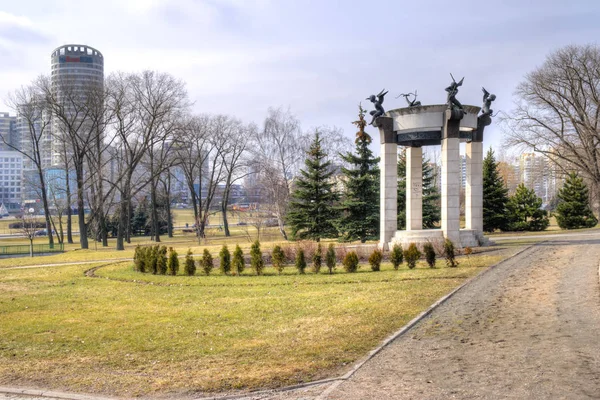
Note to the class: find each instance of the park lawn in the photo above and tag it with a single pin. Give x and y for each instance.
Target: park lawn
(180, 243)
(132, 334)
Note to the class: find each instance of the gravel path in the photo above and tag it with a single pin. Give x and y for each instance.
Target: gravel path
(528, 329)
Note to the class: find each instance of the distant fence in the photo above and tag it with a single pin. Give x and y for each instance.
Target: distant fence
(37, 249)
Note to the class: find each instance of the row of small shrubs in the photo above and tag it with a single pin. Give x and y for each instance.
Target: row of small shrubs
(154, 259)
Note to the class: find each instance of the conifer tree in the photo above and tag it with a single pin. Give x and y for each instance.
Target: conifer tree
(225, 260)
(573, 210)
(238, 262)
(495, 196)
(360, 219)
(173, 262)
(431, 196)
(524, 210)
(313, 209)
(190, 264)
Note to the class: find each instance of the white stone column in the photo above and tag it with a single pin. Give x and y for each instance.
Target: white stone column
(451, 180)
(414, 188)
(474, 187)
(388, 188)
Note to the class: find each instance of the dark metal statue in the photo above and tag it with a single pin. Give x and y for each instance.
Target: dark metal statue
(413, 102)
(377, 101)
(487, 103)
(452, 90)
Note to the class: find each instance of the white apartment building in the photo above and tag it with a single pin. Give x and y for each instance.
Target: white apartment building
(11, 179)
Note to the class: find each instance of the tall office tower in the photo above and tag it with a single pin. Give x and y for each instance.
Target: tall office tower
(76, 69)
(8, 133)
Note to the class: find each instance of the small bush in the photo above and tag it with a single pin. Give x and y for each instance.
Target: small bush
(161, 260)
(351, 262)
(139, 259)
(429, 254)
(340, 253)
(412, 255)
(468, 251)
(300, 261)
(173, 262)
(396, 256)
(152, 259)
(450, 255)
(238, 262)
(206, 262)
(317, 259)
(309, 248)
(363, 253)
(330, 258)
(375, 259)
(225, 260)
(278, 258)
(190, 264)
(256, 260)
(290, 252)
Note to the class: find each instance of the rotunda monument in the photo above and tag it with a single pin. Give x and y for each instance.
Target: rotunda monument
(416, 126)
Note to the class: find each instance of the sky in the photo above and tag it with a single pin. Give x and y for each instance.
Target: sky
(319, 58)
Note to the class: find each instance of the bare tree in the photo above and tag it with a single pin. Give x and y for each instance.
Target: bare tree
(29, 228)
(78, 115)
(234, 163)
(33, 111)
(557, 111)
(193, 148)
(144, 107)
(221, 129)
(161, 101)
(277, 154)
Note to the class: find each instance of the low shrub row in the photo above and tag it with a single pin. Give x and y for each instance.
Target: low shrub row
(158, 260)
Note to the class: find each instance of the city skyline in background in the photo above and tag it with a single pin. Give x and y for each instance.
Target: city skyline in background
(320, 59)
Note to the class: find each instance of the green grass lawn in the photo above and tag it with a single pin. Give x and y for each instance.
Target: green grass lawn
(130, 334)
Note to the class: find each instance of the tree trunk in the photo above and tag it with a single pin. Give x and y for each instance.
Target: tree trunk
(83, 239)
(224, 203)
(154, 213)
(69, 211)
(46, 208)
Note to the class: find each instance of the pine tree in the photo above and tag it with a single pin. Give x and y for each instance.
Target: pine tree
(495, 196)
(524, 211)
(431, 196)
(573, 210)
(313, 207)
(360, 219)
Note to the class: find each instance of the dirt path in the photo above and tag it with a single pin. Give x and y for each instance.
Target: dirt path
(529, 329)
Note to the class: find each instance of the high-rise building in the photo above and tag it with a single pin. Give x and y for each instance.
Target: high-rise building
(11, 179)
(8, 133)
(75, 69)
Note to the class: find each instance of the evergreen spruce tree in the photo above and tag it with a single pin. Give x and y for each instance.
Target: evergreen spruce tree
(431, 196)
(524, 211)
(573, 210)
(432, 207)
(495, 196)
(360, 219)
(313, 208)
(139, 221)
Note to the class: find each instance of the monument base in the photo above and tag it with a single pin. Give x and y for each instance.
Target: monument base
(468, 238)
